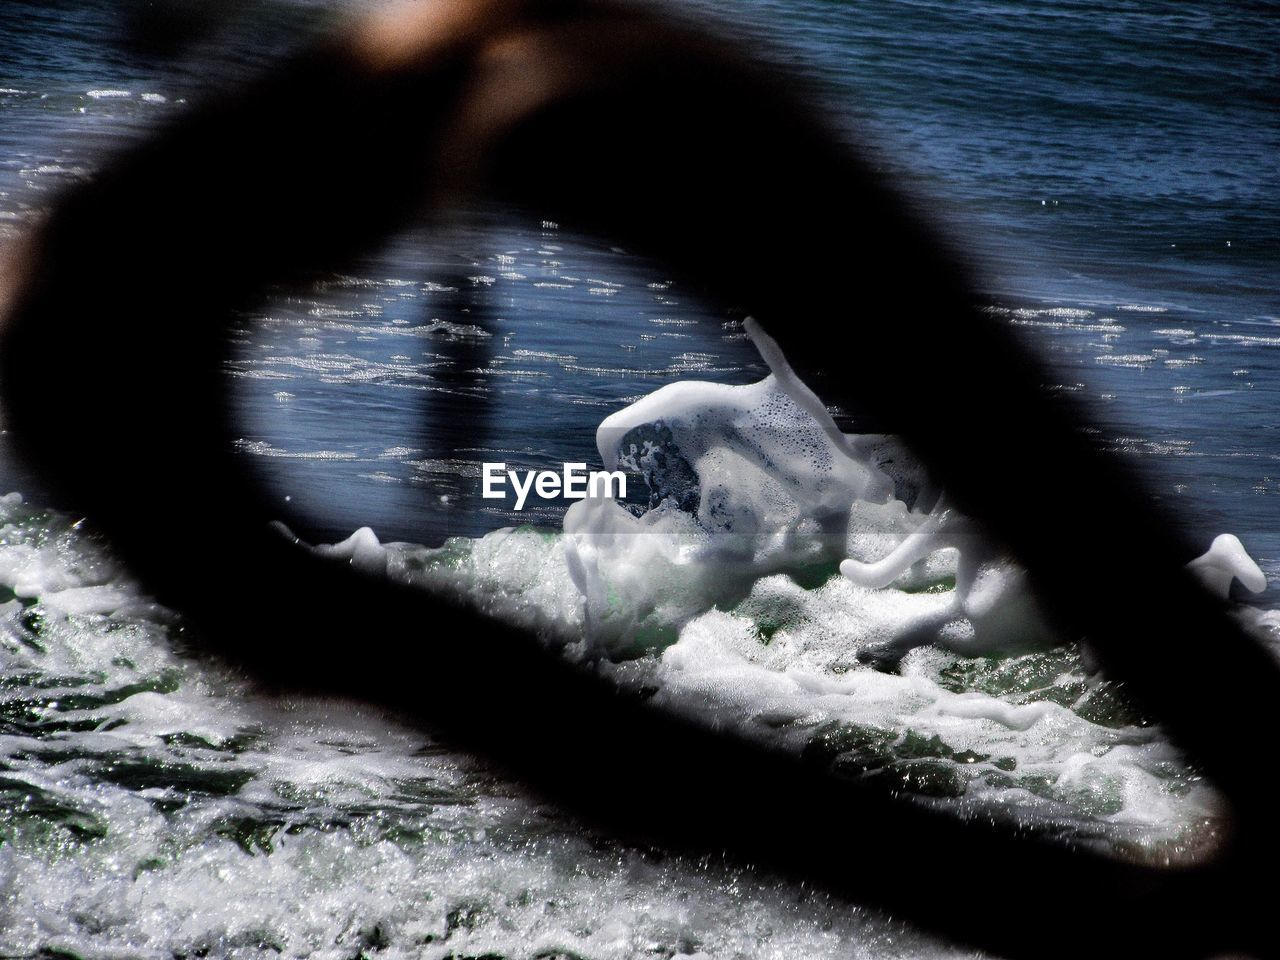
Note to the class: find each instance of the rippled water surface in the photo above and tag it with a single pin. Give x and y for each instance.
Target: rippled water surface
(1110, 171)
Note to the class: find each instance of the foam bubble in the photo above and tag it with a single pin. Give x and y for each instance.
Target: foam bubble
(809, 589)
(782, 581)
(153, 805)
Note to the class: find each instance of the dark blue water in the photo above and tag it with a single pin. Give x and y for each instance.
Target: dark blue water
(1088, 150)
(1112, 163)
(1111, 171)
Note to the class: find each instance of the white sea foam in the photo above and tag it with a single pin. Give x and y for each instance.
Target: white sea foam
(154, 804)
(727, 589)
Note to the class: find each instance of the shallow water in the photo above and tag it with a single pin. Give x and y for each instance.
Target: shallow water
(1111, 170)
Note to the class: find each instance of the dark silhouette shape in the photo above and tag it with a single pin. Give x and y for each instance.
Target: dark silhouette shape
(111, 371)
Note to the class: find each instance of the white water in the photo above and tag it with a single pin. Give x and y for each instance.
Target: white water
(155, 806)
(926, 663)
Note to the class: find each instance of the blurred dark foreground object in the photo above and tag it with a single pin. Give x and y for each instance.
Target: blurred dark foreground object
(112, 364)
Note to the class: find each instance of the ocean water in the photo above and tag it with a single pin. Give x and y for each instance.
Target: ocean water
(1110, 172)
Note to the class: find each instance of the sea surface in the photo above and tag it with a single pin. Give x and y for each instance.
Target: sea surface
(1109, 169)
